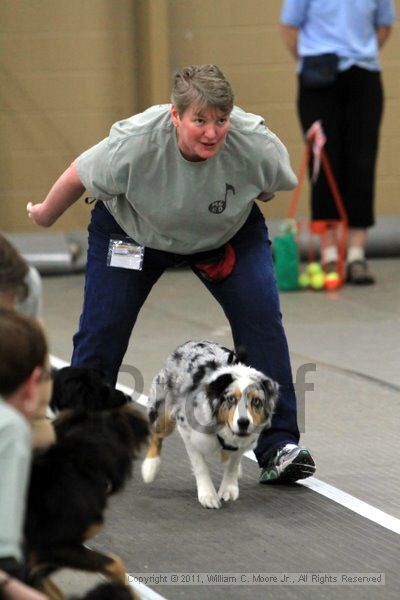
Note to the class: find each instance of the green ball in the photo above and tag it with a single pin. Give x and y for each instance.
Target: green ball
(314, 268)
(304, 280)
(318, 281)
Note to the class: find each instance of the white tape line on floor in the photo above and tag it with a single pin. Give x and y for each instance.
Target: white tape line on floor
(145, 592)
(348, 501)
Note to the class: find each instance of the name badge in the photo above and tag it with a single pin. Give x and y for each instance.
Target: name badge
(125, 253)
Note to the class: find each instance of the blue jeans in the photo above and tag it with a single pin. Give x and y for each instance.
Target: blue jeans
(114, 296)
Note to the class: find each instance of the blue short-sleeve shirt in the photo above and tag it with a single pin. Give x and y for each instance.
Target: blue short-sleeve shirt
(345, 27)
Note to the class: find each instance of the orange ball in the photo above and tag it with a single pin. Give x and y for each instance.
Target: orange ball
(332, 281)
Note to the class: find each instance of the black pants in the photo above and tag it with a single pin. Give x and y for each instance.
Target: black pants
(350, 112)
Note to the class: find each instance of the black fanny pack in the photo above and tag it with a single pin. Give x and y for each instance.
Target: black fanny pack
(319, 71)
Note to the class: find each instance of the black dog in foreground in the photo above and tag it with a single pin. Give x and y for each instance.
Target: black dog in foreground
(98, 435)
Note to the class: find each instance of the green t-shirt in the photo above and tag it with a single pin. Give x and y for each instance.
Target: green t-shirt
(166, 202)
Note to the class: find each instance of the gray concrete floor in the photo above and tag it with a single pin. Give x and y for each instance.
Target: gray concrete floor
(351, 421)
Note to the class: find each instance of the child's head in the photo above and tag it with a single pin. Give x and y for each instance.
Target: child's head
(24, 367)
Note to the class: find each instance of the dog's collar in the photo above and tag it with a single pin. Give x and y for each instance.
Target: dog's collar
(224, 445)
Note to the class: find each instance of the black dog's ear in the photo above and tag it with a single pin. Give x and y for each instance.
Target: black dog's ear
(216, 387)
(83, 388)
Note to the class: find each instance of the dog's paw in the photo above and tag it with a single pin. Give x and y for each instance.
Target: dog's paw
(209, 499)
(229, 492)
(150, 468)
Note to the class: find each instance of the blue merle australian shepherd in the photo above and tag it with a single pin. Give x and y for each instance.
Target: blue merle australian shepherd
(218, 404)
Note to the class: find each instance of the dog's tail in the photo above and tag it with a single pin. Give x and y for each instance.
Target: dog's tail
(162, 425)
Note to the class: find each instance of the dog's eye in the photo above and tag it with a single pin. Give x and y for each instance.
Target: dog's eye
(230, 400)
(257, 403)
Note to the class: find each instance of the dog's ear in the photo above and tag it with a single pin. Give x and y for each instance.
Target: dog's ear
(83, 388)
(215, 388)
(218, 385)
(271, 391)
(63, 394)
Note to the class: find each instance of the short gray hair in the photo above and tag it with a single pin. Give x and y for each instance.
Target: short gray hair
(201, 85)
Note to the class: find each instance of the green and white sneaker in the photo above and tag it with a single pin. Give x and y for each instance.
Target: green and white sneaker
(287, 465)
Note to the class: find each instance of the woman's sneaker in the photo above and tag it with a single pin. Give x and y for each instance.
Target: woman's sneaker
(287, 465)
(358, 273)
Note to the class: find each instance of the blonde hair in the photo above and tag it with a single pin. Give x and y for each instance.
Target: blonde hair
(201, 85)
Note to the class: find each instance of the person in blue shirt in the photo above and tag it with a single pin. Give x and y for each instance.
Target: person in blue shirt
(347, 37)
(24, 387)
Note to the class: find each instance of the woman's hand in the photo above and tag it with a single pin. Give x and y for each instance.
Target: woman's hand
(37, 212)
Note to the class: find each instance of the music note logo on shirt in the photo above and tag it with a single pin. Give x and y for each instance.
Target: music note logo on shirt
(218, 206)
